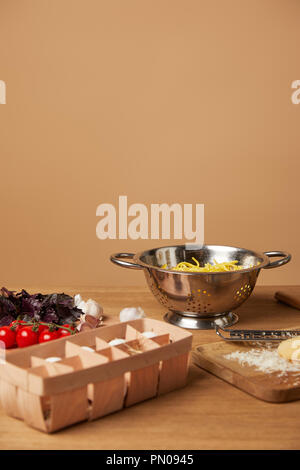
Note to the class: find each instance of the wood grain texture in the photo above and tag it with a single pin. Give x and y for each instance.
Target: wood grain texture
(68, 408)
(173, 374)
(268, 387)
(31, 409)
(107, 397)
(77, 395)
(206, 414)
(9, 399)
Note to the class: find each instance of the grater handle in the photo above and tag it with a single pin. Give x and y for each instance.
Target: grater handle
(285, 258)
(115, 258)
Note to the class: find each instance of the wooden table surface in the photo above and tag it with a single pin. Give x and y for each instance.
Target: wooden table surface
(207, 414)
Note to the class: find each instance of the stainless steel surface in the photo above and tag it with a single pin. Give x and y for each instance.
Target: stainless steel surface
(256, 335)
(199, 296)
(201, 323)
(286, 257)
(118, 259)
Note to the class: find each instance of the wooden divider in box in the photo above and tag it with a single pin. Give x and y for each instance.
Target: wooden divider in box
(92, 378)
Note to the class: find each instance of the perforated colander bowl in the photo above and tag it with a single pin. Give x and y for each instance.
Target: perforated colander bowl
(200, 300)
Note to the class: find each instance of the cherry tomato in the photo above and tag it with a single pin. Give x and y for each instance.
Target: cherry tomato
(26, 337)
(8, 336)
(17, 325)
(48, 335)
(41, 328)
(62, 332)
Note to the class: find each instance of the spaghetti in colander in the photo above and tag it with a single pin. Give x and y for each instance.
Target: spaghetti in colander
(207, 268)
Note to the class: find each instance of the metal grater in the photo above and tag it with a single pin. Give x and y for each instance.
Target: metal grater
(256, 335)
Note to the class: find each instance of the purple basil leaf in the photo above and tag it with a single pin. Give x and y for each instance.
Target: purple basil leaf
(6, 320)
(31, 305)
(50, 308)
(50, 317)
(7, 306)
(7, 293)
(27, 317)
(63, 305)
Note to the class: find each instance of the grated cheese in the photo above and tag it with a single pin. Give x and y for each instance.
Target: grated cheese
(265, 360)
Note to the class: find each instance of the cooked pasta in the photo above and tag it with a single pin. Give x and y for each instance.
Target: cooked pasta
(208, 267)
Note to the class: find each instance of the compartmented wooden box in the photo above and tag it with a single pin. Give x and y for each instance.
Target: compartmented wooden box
(86, 384)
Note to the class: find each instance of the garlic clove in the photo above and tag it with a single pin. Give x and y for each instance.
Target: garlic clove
(93, 308)
(131, 313)
(82, 306)
(85, 326)
(87, 348)
(53, 359)
(77, 300)
(116, 341)
(149, 334)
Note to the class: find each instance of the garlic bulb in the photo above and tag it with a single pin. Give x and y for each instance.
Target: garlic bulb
(131, 313)
(92, 312)
(149, 334)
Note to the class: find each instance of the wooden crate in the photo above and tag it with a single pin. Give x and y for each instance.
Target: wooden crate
(86, 385)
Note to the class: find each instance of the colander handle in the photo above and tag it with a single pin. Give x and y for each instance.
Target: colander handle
(115, 258)
(285, 258)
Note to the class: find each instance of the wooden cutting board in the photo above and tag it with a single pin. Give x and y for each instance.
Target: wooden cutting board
(267, 387)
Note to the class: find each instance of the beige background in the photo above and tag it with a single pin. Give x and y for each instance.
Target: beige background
(163, 101)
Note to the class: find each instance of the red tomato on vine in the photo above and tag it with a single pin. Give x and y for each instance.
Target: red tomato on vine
(8, 336)
(26, 336)
(48, 335)
(17, 325)
(65, 332)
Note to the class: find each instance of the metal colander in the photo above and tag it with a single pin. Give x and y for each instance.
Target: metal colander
(200, 300)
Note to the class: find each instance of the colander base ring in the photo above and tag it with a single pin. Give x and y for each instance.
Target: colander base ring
(201, 323)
